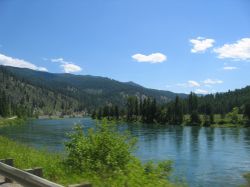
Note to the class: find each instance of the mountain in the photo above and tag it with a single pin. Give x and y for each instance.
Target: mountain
(52, 92)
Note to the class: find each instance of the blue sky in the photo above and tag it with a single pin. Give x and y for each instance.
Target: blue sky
(181, 46)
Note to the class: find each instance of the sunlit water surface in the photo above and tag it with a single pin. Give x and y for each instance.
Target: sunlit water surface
(202, 156)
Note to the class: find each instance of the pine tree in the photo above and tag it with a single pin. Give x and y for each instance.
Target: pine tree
(247, 111)
(116, 112)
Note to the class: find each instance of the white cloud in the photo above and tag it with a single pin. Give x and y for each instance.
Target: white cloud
(189, 83)
(229, 68)
(60, 60)
(240, 50)
(200, 44)
(15, 62)
(193, 84)
(68, 67)
(152, 58)
(42, 69)
(201, 91)
(212, 81)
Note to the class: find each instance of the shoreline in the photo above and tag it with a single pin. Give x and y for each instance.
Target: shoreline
(12, 121)
(185, 124)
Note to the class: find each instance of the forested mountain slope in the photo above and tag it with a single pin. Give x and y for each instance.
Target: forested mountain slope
(48, 92)
(18, 97)
(38, 93)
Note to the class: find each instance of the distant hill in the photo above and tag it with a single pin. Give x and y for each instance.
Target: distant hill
(51, 92)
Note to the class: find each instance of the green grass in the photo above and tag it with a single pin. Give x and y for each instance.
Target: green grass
(26, 157)
(218, 121)
(9, 121)
(55, 170)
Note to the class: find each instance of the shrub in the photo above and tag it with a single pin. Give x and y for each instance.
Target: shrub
(101, 150)
(234, 115)
(222, 122)
(105, 157)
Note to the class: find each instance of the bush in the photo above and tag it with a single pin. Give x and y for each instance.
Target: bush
(105, 156)
(222, 122)
(234, 115)
(102, 157)
(102, 150)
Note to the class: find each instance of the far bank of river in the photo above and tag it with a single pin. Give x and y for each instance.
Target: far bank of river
(202, 156)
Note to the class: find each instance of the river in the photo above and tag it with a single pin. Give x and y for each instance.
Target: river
(202, 156)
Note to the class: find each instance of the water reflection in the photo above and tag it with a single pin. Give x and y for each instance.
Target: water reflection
(209, 133)
(195, 131)
(203, 156)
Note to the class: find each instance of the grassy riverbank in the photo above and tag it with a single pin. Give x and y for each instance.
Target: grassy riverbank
(224, 122)
(26, 157)
(11, 121)
(56, 168)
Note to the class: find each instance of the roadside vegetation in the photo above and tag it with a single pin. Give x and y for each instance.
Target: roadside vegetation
(101, 156)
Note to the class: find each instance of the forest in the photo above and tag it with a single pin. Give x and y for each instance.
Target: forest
(230, 107)
(34, 93)
(29, 93)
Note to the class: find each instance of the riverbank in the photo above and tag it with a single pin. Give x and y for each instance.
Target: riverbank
(11, 121)
(27, 157)
(56, 170)
(218, 121)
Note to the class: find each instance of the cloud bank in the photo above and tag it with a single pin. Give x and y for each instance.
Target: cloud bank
(152, 58)
(240, 50)
(15, 62)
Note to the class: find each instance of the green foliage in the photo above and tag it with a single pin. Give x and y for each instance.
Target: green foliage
(101, 156)
(192, 102)
(195, 118)
(26, 157)
(161, 170)
(105, 156)
(51, 93)
(247, 178)
(247, 112)
(20, 98)
(234, 115)
(101, 150)
(11, 121)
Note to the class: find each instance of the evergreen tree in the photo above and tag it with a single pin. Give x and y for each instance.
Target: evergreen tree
(192, 102)
(177, 112)
(99, 115)
(247, 111)
(93, 115)
(116, 112)
(195, 118)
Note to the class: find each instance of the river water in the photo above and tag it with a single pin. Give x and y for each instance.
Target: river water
(202, 156)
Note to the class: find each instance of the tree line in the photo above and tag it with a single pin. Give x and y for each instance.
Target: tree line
(197, 110)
